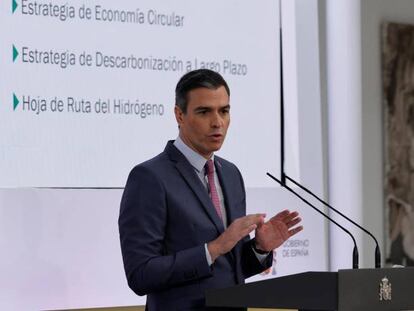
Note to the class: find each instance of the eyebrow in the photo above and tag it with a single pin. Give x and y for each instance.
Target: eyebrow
(209, 108)
(202, 108)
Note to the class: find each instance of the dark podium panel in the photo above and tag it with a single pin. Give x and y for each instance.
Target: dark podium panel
(346, 290)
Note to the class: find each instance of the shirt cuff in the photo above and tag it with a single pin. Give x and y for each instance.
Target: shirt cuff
(208, 256)
(260, 257)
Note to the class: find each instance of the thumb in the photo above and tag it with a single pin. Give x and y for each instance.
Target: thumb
(261, 221)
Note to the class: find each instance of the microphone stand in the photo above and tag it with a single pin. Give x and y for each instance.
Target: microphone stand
(355, 251)
(377, 249)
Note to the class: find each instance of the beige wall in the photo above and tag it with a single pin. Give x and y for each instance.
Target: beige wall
(373, 12)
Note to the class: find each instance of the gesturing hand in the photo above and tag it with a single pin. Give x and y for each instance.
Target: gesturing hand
(277, 230)
(238, 229)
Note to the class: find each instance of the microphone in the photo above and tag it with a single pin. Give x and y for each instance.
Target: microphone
(377, 249)
(355, 251)
(284, 177)
(282, 104)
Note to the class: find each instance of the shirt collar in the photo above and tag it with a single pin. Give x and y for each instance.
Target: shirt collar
(196, 160)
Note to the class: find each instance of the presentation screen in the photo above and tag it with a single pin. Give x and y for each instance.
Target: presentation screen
(87, 92)
(87, 88)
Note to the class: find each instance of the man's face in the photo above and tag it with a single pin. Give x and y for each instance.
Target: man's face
(204, 126)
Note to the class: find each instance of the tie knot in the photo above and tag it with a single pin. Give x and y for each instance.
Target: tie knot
(209, 167)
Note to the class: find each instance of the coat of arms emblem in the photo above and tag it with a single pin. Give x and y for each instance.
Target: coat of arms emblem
(385, 290)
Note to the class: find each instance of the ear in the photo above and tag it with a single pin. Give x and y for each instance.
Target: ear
(179, 115)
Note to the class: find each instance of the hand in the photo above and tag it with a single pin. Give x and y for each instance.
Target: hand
(234, 233)
(277, 230)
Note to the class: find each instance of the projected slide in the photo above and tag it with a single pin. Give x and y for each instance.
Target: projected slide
(87, 88)
(87, 92)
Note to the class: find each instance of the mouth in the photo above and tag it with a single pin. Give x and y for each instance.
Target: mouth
(216, 137)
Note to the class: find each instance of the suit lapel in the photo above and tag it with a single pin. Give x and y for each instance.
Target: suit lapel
(228, 197)
(194, 183)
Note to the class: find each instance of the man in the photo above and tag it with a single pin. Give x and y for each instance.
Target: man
(182, 222)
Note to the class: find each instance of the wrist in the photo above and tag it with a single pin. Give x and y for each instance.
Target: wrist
(258, 249)
(213, 250)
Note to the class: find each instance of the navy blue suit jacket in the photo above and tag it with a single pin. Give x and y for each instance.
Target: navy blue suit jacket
(166, 217)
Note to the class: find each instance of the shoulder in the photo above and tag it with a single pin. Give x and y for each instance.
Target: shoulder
(151, 168)
(230, 170)
(226, 165)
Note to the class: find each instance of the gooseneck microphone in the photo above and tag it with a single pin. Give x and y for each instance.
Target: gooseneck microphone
(355, 255)
(282, 112)
(283, 176)
(377, 249)
(282, 115)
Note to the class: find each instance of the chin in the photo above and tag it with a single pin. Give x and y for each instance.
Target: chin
(216, 147)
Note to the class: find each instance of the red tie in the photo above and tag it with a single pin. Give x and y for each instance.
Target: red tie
(209, 167)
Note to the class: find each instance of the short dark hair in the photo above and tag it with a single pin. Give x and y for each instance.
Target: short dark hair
(195, 79)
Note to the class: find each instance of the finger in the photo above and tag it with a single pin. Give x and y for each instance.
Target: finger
(257, 219)
(285, 219)
(253, 216)
(283, 213)
(295, 230)
(280, 216)
(249, 229)
(243, 224)
(290, 216)
(261, 220)
(293, 222)
(284, 232)
(259, 225)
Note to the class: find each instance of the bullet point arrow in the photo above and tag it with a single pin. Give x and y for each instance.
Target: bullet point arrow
(15, 53)
(15, 101)
(14, 5)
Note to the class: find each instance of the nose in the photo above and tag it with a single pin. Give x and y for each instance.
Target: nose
(216, 120)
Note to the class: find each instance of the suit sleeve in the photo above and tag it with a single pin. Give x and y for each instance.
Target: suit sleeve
(142, 223)
(250, 264)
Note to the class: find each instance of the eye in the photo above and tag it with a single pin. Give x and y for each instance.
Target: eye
(225, 110)
(202, 111)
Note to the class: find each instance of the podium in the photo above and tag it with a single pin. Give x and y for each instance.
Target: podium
(345, 290)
